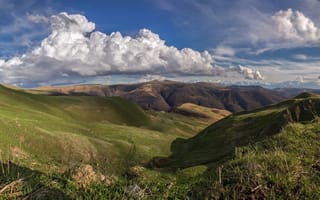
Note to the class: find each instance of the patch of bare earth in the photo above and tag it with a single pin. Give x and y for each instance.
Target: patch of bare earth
(85, 175)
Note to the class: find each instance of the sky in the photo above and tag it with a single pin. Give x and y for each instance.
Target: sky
(245, 42)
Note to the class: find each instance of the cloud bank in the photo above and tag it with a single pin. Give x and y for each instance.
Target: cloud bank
(74, 48)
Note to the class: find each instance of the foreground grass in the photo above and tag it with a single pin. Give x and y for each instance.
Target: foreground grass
(284, 166)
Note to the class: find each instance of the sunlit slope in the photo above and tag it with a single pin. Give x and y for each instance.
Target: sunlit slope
(115, 110)
(218, 141)
(211, 114)
(42, 131)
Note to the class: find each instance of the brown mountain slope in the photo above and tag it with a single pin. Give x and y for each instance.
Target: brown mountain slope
(211, 114)
(167, 95)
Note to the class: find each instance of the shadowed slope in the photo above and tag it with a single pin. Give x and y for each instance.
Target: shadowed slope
(218, 142)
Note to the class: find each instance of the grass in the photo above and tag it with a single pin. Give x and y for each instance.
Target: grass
(54, 133)
(270, 153)
(217, 142)
(283, 166)
(212, 114)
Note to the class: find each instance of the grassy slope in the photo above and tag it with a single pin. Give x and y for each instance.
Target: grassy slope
(217, 142)
(285, 166)
(55, 132)
(212, 114)
(282, 164)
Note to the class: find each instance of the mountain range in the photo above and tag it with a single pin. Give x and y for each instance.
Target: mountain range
(168, 95)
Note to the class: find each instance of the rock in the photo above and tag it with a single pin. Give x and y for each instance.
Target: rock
(133, 189)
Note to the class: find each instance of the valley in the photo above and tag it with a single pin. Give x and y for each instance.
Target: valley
(65, 131)
(81, 144)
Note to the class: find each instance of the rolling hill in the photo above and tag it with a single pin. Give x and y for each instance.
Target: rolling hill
(56, 147)
(284, 165)
(211, 114)
(53, 133)
(168, 95)
(218, 142)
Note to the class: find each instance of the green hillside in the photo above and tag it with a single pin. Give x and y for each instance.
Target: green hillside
(284, 166)
(115, 110)
(56, 132)
(218, 142)
(270, 153)
(47, 143)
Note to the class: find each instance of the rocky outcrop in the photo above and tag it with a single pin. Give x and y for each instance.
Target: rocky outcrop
(304, 110)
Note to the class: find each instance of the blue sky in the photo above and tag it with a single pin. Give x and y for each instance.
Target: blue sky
(270, 43)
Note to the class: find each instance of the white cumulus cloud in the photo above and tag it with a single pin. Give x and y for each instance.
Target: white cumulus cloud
(74, 49)
(283, 29)
(249, 73)
(295, 26)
